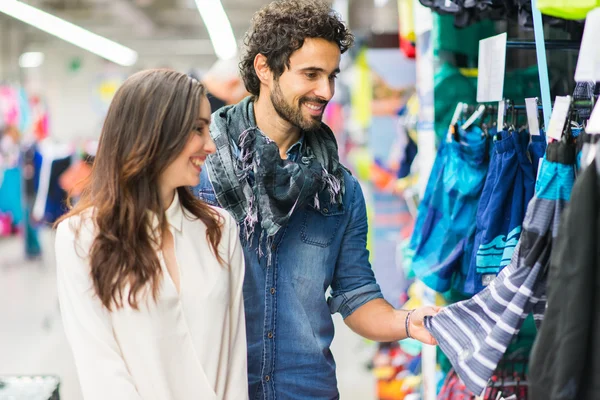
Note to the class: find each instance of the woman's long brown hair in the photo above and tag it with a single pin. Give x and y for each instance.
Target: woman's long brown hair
(147, 126)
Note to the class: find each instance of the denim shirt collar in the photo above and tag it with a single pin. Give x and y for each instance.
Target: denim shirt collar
(295, 150)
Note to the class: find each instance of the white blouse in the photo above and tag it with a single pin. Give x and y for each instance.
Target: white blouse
(185, 346)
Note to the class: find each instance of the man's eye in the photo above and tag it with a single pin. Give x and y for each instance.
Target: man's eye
(311, 75)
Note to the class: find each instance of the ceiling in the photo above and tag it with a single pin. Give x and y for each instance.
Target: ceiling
(167, 28)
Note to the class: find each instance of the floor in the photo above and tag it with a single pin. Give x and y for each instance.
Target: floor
(32, 339)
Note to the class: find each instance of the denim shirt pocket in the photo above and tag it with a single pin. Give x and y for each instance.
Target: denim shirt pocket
(319, 227)
(205, 192)
(208, 196)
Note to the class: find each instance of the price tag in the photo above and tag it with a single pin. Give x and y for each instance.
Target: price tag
(531, 105)
(501, 111)
(593, 125)
(588, 63)
(492, 66)
(559, 116)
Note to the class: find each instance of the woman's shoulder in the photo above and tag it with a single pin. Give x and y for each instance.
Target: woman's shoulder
(79, 225)
(230, 226)
(225, 215)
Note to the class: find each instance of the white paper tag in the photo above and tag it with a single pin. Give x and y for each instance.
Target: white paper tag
(588, 63)
(501, 110)
(593, 124)
(491, 68)
(532, 116)
(559, 117)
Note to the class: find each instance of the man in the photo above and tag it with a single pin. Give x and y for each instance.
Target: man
(301, 214)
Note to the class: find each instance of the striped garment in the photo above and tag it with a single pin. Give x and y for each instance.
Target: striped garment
(475, 333)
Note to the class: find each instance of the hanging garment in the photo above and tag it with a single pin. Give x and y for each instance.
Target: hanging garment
(455, 389)
(475, 333)
(53, 159)
(406, 31)
(445, 226)
(450, 87)
(509, 187)
(565, 362)
(406, 147)
(11, 200)
(567, 9)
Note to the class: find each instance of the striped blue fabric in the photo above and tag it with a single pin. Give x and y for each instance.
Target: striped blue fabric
(509, 187)
(475, 333)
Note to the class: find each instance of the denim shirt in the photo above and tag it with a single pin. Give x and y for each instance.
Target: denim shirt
(288, 318)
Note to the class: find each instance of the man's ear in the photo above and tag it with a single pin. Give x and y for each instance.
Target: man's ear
(262, 69)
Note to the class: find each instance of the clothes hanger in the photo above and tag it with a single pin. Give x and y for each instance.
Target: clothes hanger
(452, 129)
(474, 117)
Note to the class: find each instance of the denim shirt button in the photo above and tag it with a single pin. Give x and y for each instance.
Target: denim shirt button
(267, 378)
(325, 210)
(270, 335)
(272, 290)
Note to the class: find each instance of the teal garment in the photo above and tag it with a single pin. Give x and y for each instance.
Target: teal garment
(450, 88)
(445, 227)
(465, 41)
(11, 194)
(520, 84)
(33, 247)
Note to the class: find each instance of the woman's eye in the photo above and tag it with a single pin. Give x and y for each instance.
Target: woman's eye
(199, 129)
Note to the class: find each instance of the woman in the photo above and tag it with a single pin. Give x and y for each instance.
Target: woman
(149, 278)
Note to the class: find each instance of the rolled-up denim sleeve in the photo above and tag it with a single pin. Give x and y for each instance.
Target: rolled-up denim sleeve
(354, 281)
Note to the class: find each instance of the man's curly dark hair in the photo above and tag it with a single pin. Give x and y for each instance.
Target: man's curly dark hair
(280, 28)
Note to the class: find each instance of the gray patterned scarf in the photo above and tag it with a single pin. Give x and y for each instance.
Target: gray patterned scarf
(254, 184)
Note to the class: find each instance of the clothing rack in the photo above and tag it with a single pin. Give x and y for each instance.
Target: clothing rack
(550, 44)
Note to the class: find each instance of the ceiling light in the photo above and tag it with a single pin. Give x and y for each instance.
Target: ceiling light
(69, 32)
(219, 28)
(31, 60)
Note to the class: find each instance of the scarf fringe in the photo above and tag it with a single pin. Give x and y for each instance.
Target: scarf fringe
(333, 185)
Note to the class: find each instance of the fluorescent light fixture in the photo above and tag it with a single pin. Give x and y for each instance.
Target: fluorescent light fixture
(31, 60)
(69, 32)
(381, 3)
(219, 28)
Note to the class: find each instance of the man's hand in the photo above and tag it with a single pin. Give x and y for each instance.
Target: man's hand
(379, 321)
(416, 326)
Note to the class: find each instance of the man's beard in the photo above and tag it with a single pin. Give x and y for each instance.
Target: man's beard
(294, 115)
